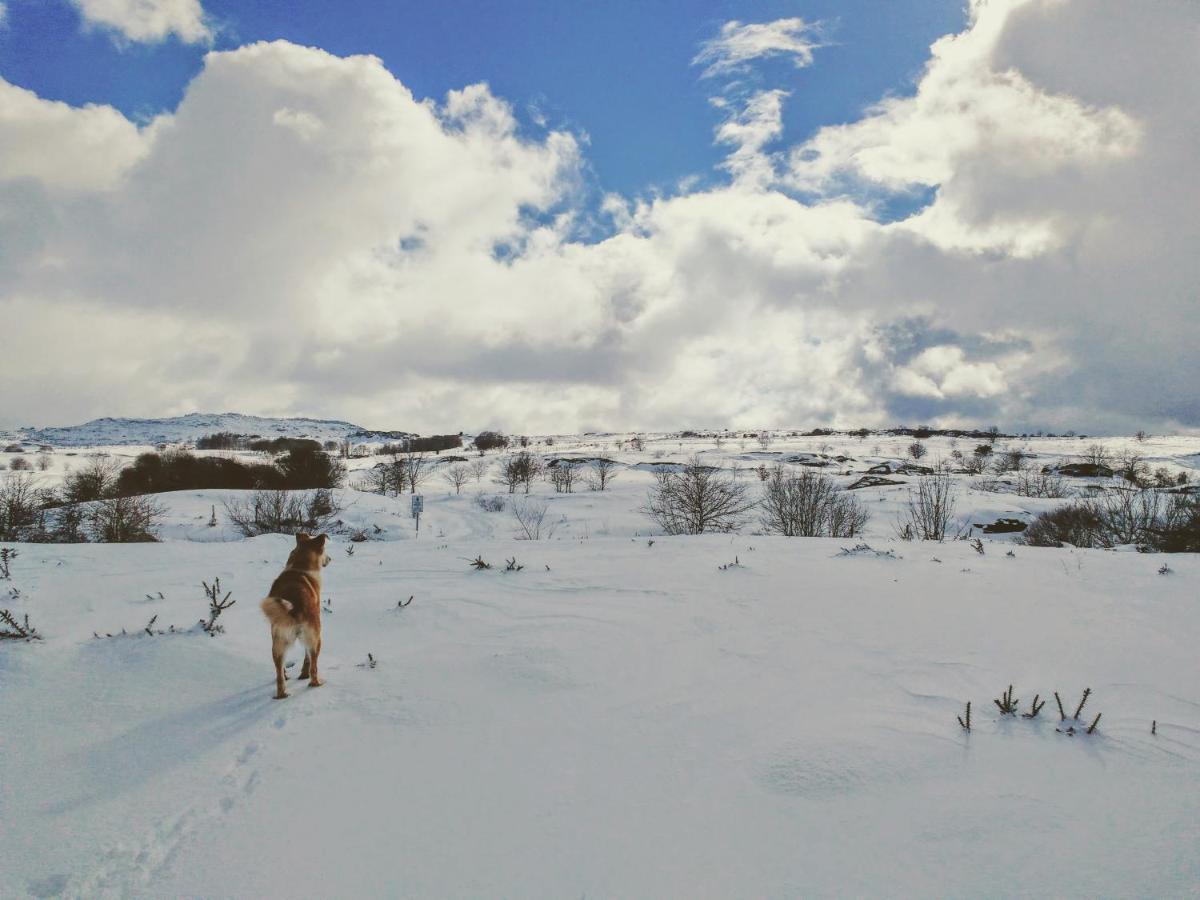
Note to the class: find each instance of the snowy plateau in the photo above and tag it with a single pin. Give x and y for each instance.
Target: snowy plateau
(619, 712)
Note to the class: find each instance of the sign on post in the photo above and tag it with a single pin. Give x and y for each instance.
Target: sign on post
(418, 506)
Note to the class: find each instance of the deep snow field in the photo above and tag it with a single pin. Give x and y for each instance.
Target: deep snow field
(622, 717)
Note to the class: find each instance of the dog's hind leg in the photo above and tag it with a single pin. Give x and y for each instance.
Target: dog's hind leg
(279, 646)
(304, 668)
(313, 643)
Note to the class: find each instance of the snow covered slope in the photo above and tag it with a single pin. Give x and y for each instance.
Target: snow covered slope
(120, 432)
(617, 718)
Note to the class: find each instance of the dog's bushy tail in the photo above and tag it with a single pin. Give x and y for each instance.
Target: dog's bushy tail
(277, 610)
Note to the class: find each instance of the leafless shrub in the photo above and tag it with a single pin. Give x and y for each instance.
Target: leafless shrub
(494, 503)
(764, 439)
(1077, 524)
(697, 499)
(1133, 468)
(1129, 516)
(19, 464)
(563, 476)
(20, 502)
(972, 465)
(282, 512)
(1031, 483)
(809, 504)
(456, 477)
(530, 513)
(1009, 461)
(917, 450)
(124, 520)
(478, 469)
(929, 510)
(602, 473)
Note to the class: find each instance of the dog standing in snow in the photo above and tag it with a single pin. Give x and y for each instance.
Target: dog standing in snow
(293, 608)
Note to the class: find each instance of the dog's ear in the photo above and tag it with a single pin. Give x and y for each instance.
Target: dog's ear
(302, 538)
(321, 538)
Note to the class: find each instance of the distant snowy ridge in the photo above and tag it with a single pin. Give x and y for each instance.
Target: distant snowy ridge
(114, 432)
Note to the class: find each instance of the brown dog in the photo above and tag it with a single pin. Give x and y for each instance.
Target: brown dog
(294, 609)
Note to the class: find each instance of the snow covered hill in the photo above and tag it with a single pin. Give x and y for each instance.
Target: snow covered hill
(623, 714)
(121, 432)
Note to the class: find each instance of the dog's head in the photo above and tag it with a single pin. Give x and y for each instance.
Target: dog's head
(309, 553)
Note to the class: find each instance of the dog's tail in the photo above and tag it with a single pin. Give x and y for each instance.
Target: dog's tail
(277, 610)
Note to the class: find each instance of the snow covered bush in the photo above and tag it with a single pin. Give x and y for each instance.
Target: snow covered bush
(19, 505)
(697, 499)
(809, 504)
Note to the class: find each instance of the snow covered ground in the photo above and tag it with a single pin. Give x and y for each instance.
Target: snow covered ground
(622, 717)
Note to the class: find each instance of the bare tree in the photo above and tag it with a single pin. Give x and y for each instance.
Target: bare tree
(563, 476)
(19, 505)
(478, 469)
(1096, 455)
(97, 478)
(917, 450)
(602, 473)
(697, 499)
(519, 470)
(456, 477)
(930, 507)
(416, 468)
(764, 439)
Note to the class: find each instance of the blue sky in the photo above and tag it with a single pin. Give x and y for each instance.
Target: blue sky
(549, 216)
(619, 71)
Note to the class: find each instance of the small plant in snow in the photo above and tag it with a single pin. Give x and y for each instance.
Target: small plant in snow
(370, 663)
(401, 604)
(967, 723)
(7, 555)
(1034, 708)
(349, 550)
(17, 631)
(216, 605)
(733, 565)
(1006, 703)
(1164, 569)
(511, 565)
(478, 564)
(977, 546)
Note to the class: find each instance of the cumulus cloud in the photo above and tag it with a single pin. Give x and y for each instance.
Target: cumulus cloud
(148, 21)
(740, 43)
(303, 235)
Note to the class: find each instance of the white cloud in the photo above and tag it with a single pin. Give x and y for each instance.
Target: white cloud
(740, 43)
(302, 235)
(65, 147)
(148, 21)
(3, 15)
